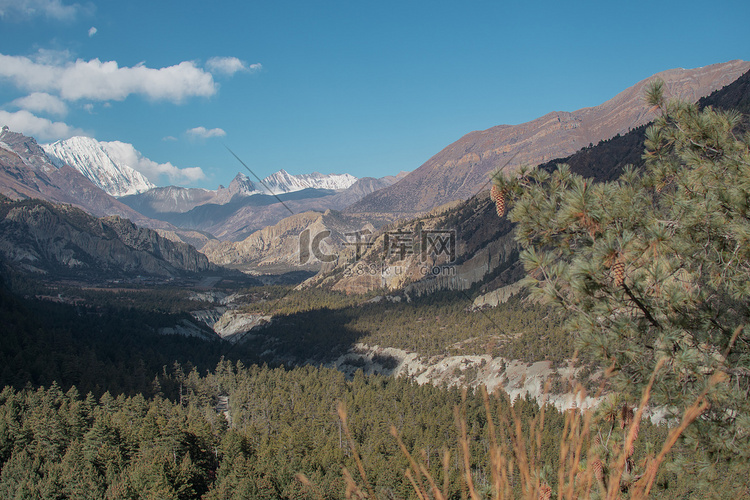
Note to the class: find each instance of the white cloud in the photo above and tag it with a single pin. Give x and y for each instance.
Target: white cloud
(52, 57)
(27, 9)
(103, 81)
(204, 133)
(152, 170)
(92, 31)
(41, 129)
(230, 65)
(41, 102)
(169, 138)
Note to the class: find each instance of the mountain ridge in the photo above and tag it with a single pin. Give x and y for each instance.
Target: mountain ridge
(485, 248)
(460, 170)
(61, 240)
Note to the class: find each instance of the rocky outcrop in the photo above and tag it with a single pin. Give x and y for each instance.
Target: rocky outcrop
(187, 328)
(234, 326)
(461, 169)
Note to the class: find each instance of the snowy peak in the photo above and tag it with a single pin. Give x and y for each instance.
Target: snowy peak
(284, 182)
(242, 185)
(101, 164)
(337, 182)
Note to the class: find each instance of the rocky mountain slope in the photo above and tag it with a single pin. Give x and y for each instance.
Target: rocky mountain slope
(62, 240)
(453, 247)
(284, 245)
(485, 250)
(606, 160)
(460, 170)
(101, 162)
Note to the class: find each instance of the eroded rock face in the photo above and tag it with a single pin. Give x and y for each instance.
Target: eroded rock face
(497, 297)
(516, 378)
(284, 244)
(483, 245)
(234, 325)
(461, 169)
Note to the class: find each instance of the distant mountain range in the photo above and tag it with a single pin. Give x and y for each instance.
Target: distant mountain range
(112, 167)
(234, 212)
(173, 199)
(461, 169)
(283, 182)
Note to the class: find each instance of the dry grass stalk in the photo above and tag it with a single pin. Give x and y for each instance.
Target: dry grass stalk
(614, 486)
(524, 456)
(416, 478)
(308, 484)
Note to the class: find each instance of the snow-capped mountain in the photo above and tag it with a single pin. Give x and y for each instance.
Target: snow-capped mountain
(101, 162)
(242, 185)
(284, 182)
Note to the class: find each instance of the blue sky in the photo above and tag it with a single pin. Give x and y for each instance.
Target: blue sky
(368, 88)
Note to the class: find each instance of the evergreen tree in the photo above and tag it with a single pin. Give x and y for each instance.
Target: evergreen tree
(654, 268)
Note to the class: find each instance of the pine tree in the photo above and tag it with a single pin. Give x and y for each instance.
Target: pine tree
(654, 268)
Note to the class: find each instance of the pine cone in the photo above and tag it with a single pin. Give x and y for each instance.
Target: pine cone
(596, 467)
(626, 414)
(494, 193)
(500, 205)
(545, 492)
(618, 272)
(498, 196)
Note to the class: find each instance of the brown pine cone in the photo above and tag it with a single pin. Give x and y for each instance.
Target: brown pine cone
(495, 193)
(618, 272)
(545, 492)
(596, 467)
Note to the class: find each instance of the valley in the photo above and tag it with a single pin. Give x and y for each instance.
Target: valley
(261, 340)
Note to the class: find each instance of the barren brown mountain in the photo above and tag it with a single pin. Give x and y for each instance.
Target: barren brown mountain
(461, 169)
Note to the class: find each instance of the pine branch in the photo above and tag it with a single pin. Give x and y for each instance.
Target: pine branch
(641, 306)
